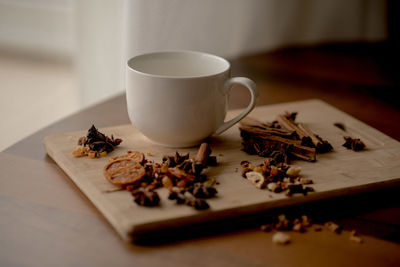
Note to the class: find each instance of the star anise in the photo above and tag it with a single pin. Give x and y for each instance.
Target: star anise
(193, 196)
(202, 191)
(174, 160)
(353, 143)
(99, 142)
(146, 197)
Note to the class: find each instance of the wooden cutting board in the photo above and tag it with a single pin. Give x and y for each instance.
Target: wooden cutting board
(340, 172)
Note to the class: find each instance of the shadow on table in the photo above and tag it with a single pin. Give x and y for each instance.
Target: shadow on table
(375, 213)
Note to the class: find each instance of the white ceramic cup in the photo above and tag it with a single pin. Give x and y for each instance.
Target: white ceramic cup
(178, 98)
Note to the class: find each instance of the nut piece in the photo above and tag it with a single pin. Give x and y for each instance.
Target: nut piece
(92, 154)
(272, 187)
(333, 227)
(298, 227)
(181, 184)
(280, 238)
(167, 182)
(355, 237)
(258, 169)
(80, 151)
(164, 168)
(256, 178)
(293, 171)
(306, 181)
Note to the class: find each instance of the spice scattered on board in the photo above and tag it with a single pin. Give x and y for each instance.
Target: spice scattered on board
(95, 144)
(353, 143)
(276, 177)
(180, 174)
(340, 125)
(193, 196)
(284, 136)
(146, 197)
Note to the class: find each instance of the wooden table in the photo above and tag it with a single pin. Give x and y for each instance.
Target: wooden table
(46, 221)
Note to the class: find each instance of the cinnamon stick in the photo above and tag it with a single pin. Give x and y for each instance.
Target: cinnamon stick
(267, 131)
(290, 125)
(266, 144)
(305, 134)
(202, 154)
(321, 145)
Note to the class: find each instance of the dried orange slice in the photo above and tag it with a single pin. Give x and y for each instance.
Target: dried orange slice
(135, 155)
(124, 171)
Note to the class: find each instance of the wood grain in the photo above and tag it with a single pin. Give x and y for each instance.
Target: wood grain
(334, 173)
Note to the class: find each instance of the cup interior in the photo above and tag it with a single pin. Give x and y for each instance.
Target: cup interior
(178, 64)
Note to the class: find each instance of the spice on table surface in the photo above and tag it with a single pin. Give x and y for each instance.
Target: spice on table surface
(282, 224)
(95, 144)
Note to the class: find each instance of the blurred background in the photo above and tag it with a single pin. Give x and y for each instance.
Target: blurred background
(60, 56)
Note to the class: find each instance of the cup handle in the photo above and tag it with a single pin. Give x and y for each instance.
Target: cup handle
(251, 86)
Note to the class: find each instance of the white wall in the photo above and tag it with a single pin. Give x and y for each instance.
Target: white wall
(235, 27)
(101, 34)
(99, 57)
(43, 27)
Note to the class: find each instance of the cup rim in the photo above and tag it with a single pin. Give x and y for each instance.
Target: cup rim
(225, 69)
